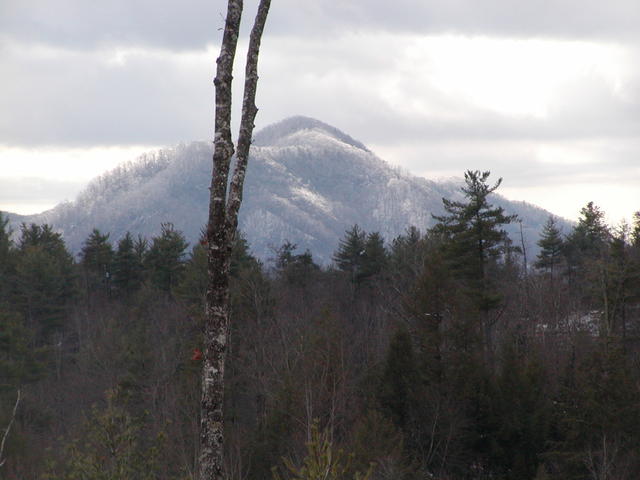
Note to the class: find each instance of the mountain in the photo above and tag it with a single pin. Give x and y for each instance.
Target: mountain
(307, 182)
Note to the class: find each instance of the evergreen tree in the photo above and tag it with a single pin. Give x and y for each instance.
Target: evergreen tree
(360, 254)
(322, 462)
(589, 238)
(192, 289)
(127, 265)
(375, 256)
(141, 248)
(406, 256)
(96, 258)
(473, 236)
(588, 252)
(551, 246)
(44, 280)
(348, 256)
(241, 258)
(295, 268)
(112, 447)
(285, 255)
(193, 286)
(165, 259)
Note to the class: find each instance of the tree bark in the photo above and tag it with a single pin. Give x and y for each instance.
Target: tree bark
(221, 229)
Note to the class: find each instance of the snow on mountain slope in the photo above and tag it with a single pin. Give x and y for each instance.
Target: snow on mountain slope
(307, 182)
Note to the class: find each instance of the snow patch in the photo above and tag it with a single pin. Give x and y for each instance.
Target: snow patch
(313, 198)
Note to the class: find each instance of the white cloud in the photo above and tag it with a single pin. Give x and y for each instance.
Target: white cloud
(64, 164)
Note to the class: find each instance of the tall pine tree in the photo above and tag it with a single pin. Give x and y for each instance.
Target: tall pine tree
(166, 258)
(96, 257)
(127, 266)
(551, 246)
(473, 237)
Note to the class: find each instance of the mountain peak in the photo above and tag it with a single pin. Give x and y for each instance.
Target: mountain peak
(300, 187)
(281, 132)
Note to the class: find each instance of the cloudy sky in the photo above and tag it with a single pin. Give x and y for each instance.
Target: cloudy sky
(543, 94)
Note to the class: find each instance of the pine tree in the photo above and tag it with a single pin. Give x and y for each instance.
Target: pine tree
(295, 268)
(322, 462)
(473, 237)
(192, 288)
(127, 266)
(375, 256)
(113, 447)
(96, 257)
(241, 258)
(551, 246)
(362, 255)
(165, 259)
(406, 254)
(351, 248)
(44, 280)
(589, 238)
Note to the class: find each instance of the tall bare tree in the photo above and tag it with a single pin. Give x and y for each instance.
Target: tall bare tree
(224, 205)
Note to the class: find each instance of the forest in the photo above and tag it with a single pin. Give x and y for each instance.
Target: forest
(446, 354)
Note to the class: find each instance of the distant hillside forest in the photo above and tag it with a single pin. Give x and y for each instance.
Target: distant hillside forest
(446, 354)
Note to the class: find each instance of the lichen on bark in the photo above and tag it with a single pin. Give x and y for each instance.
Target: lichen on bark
(223, 221)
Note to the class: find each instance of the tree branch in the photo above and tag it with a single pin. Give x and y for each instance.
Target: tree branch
(249, 112)
(223, 144)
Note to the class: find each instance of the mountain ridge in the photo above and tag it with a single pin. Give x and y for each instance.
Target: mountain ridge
(307, 183)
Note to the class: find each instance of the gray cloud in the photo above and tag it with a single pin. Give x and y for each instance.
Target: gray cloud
(559, 18)
(78, 73)
(63, 97)
(69, 98)
(191, 24)
(79, 24)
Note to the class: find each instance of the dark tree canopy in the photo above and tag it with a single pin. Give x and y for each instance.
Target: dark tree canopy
(404, 369)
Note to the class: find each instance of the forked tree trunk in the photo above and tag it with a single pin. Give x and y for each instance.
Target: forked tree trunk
(221, 229)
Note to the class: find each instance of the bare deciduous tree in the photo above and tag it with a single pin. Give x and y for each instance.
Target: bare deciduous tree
(223, 221)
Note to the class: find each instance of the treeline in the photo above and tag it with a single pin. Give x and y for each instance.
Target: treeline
(447, 354)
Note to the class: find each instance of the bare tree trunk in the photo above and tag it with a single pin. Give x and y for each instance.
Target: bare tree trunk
(8, 429)
(223, 221)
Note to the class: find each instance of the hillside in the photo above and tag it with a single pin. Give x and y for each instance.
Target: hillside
(307, 183)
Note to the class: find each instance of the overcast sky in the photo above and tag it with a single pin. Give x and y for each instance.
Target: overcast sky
(543, 94)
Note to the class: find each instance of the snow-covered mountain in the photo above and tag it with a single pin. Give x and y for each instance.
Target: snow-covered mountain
(307, 183)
